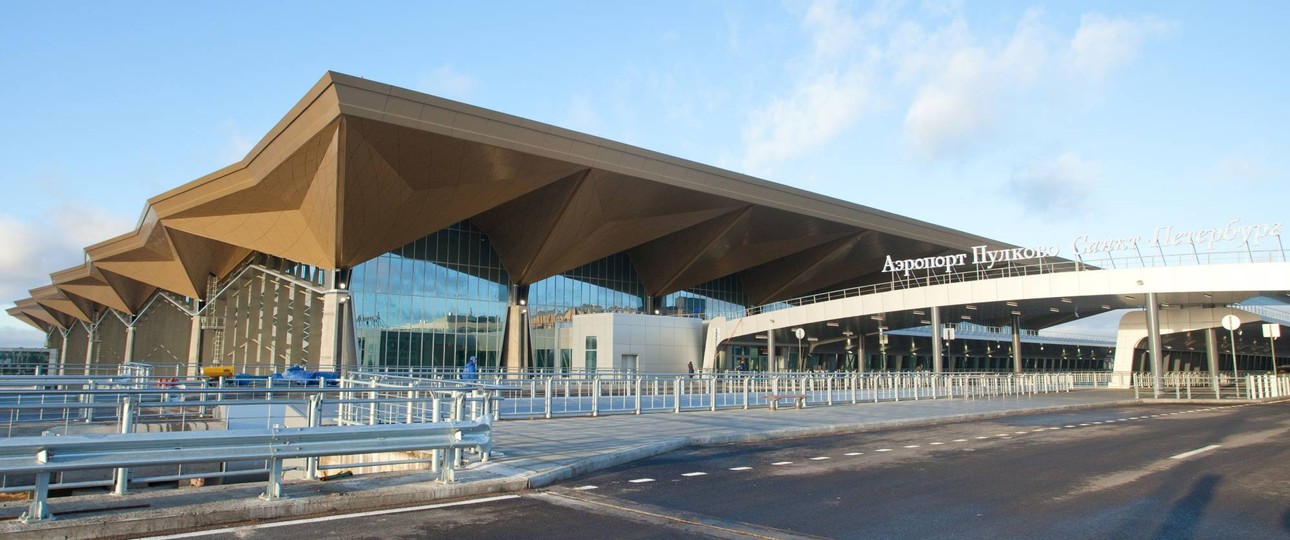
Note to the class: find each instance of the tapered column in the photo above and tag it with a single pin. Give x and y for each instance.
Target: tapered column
(1016, 343)
(1153, 333)
(515, 345)
(91, 332)
(770, 348)
(331, 356)
(1211, 354)
(936, 340)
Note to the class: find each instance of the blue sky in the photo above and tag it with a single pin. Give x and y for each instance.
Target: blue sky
(1027, 122)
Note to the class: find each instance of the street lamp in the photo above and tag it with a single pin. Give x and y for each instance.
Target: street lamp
(800, 333)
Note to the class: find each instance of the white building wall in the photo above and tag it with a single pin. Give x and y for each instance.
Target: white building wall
(661, 344)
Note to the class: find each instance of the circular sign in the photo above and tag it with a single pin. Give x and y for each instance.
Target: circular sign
(1230, 322)
(799, 333)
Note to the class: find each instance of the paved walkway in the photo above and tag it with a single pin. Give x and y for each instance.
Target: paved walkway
(529, 454)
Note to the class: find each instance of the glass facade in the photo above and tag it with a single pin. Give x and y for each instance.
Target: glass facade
(441, 299)
(432, 303)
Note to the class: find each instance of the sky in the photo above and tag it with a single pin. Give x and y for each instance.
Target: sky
(1031, 123)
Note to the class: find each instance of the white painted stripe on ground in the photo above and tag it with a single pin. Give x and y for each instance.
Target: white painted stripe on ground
(641, 480)
(693, 474)
(584, 488)
(983, 437)
(242, 528)
(1003, 435)
(741, 468)
(1018, 433)
(854, 453)
(1084, 424)
(821, 458)
(1036, 430)
(884, 449)
(782, 463)
(960, 440)
(911, 446)
(1196, 451)
(1069, 426)
(936, 443)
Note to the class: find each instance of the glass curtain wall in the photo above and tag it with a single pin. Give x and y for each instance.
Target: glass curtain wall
(432, 303)
(609, 285)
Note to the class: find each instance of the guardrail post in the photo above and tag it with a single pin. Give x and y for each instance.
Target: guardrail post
(273, 490)
(38, 510)
(315, 420)
(458, 413)
(676, 395)
(595, 396)
(712, 393)
(637, 385)
(371, 407)
(89, 398)
(747, 387)
(436, 411)
(121, 477)
(548, 400)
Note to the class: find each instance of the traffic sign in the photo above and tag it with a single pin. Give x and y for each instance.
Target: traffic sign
(1231, 322)
(1271, 330)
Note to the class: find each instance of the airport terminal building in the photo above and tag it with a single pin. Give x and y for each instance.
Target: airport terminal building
(376, 226)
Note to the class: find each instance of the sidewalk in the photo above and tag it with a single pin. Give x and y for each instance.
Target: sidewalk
(528, 454)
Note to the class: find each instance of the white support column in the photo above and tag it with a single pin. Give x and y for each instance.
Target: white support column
(62, 353)
(770, 349)
(91, 331)
(331, 355)
(195, 345)
(128, 356)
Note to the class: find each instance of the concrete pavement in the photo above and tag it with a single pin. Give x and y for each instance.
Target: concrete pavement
(529, 454)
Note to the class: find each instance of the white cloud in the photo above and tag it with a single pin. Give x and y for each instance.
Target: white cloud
(446, 81)
(963, 83)
(1104, 44)
(1056, 188)
(55, 241)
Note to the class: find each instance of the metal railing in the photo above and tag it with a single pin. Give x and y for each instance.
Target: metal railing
(1009, 270)
(1193, 385)
(546, 396)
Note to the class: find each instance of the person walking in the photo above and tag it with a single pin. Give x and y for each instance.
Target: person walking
(690, 366)
(471, 371)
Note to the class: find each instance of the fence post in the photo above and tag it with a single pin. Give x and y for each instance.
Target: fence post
(595, 396)
(676, 395)
(637, 386)
(122, 476)
(548, 399)
(712, 393)
(315, 420)
(273, 490)
(38, 510)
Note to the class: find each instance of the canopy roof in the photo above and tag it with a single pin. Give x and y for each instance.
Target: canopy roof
(358, 168)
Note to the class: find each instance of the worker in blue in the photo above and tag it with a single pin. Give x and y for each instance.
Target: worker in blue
(471, 371)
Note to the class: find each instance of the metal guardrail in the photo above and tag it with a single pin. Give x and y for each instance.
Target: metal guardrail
(45, 456)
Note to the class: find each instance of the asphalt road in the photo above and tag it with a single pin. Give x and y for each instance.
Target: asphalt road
(1138, 472)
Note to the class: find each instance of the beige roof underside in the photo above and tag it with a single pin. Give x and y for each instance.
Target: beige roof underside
(358, 168)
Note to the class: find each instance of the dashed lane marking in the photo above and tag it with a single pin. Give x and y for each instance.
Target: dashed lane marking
(584, 488)
(884, 449)
(936, 443)
(741, 468)
(782, 463)
(911, 446)
(693, 474)
(641, 480)
(959, 440)
(854, 453)
(821, 458)
(1196, 451)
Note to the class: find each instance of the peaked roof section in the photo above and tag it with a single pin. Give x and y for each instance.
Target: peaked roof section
(358, 168)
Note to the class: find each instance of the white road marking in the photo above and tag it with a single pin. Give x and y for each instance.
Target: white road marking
(693, 474)
(854, 453)
(641, 480)
(1018, 433)
(584, 488)
(960, 440)
(741, 468)
(911, 446)
(884, 449)
(983, 437)
(936, 443)
(782, 463)
(819, 458)
(1084, 424)
(1036, 430)
(1196, 451)
(243, 528)
(1069, 426)
(1002, 435)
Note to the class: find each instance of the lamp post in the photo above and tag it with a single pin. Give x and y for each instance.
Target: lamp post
(800, 333)
(1231, 323)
